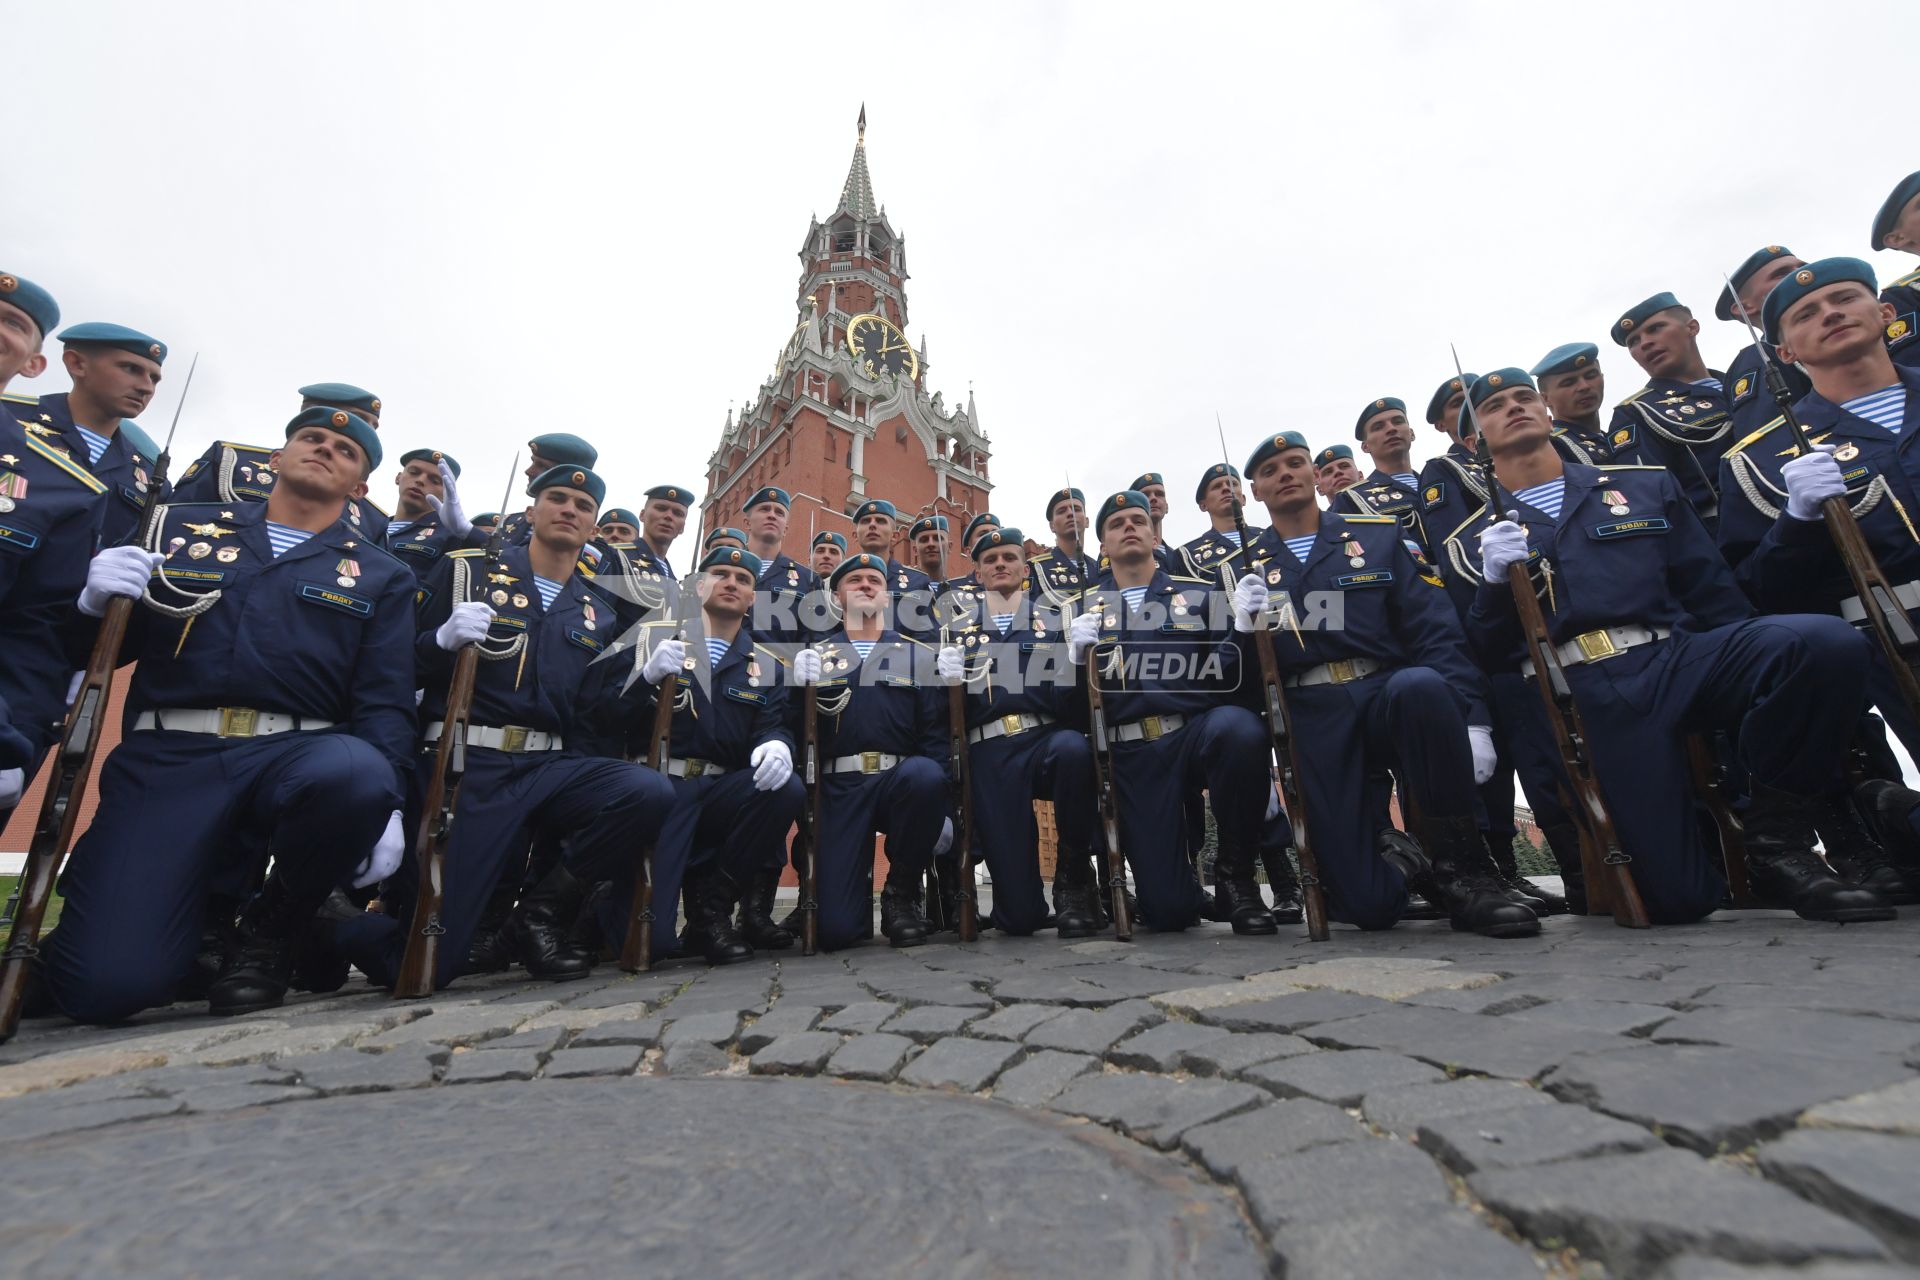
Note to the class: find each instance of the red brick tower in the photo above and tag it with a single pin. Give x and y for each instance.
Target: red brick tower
(846, 416)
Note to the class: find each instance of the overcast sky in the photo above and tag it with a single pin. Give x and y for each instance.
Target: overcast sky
(507, 219)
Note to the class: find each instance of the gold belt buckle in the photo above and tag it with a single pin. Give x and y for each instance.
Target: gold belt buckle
(1342, 672)
(1011, 725)
(238, 722)
(1595, 645)
(513, 737)
(1150, 729)
(696, 768)
(869, 762)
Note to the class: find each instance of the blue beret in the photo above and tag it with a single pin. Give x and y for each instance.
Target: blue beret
(346, 423)
(344, 395)
(737, 535)
(117, 336)
(736, 557)
(571, 477)
(561, 446)
(32, 299)
(1211, 474)
(1639, 315)
(1331, 452)
(865, 560)
(1065, 495)
(1759, 258)
(671, 493)
(875, 507)
(828, 537)
(487, 518)
(998, 538)
(1146, 478)
(1567, 357)
(1815, 275)
(1380, 405)
(1496, 382)
(1890, 211)
(431, 455)
(985, 517)
(1280, 441)
(769, 493)
(925, 523)
(1437, 402)
(619, 515)
(1124, 500)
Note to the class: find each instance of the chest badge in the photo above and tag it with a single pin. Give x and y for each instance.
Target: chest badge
(1616, 502)
(1846, 452)
(349, 571)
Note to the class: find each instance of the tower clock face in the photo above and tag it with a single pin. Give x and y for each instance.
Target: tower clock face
(878, 346)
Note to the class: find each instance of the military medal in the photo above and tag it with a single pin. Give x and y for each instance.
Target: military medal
(753, 672)
(1845, 453)
(13, 487)
(519, 600)
(353, 512)
(200, 550)
(174, 544)
(1354, 555)
(227, 555)
(349, 571)
(1616, 502)
(499, 597)
(208, 530)
(586, 607)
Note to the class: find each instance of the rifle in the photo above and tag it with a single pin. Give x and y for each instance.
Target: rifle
(73, 765)
(1285, 744)
(420, 965)
(963, 804)
(1710, 780)
(1606, 865)
(810, 822)
(1892, 626)
(636, 953)
(1103, 781)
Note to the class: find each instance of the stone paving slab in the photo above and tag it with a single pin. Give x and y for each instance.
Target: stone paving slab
(1522, 1136)
(347, 1071)
(1154, 1109)
(874, 1056)
(1236, 1051)
(1873, 1180)
(958, 1063)
(1895, 1109)
(1403, 1110)
(1774, 1030)
(1342, 1078)
(1042, 1076)
(1346, 1180)
(1394, 1244)
(1276, 1129)
(599, 1060)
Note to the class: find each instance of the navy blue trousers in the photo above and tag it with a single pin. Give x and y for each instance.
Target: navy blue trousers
(1009, 774)
(1789, 688)
(606, 809)
(1224, 750)
(907, 804)
(170, 807)
(1410, 721)
(1520, 727)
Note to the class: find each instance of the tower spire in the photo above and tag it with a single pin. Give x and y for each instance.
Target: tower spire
(856, 193)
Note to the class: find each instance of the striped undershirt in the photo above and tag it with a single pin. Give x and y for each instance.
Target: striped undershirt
(1004, 621)
(284, 537)
(1407, 480)
(1133, 596)
(1887, 406)
(1231, 535)
(864, 647)
(549, 590)
(717, 649)
(395, 528)
(1548, 497)
(1302, 547)
(1711, 384)
(96, 443)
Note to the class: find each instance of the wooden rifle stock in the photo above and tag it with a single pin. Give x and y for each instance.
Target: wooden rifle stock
(72, 767)
(636, 953)
(1279, 717)
(809, 872)
(1103, 781)
(963, 783)
(419, 967)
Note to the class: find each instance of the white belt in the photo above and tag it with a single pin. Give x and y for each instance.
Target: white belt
(1147, 729)
(511, 737)
(864, 762)
(1345, 671)
(226, 722)
(682, 768)
(1592, 646)
(1007, 726)
(1907, 593)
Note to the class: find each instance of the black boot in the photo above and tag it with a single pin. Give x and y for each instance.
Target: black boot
(491, 950)
(542, 927)
(216, 936)
(259, 959)
(903, 917)
(1563, 842)
(1236, 894)
(709, 902)
(946, 889)
(1403, 852)
(1287, 908)
(1858, 857)
(1465, 882)
(1784, 871)
(1889, 810)
(757, 925)
(1076, 898)
(1507, 869)
(318, 965)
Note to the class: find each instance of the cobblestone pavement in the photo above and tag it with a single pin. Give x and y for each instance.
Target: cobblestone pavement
(1735, 1099)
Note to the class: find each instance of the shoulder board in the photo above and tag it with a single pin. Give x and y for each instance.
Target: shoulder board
(1629, 466)
(463, 553)
(244, 448)
(1760, 434)
(1478, 517)
(139, 439)
(1912, 278)
(1635, 396)
(11, 398)
(62, 461)
(1192, 582)
(1037, 557)
(376, 506)
(1355, 519)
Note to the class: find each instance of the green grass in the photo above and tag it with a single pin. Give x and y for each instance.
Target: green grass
(53, 908)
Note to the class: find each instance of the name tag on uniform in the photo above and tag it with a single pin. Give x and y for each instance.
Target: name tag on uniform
(585, 640)
(426, 549)
(508, 620)
(195, 575)
(1629, 528)
(1379, 578)
(19, 539)
(1858, 473)
(752, 697)
(898, 682)
(336, 599)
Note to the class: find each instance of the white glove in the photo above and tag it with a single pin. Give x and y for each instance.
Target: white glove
(1082, 634)
(453, 517)
(772, 766)
(1249, 600)
(12, 783)
(1811, 479)
(667, 658)
(467, 623)
(117, 571)
(1273, 802)
(951, 665)
(945, 842)
(806, 666)
(73, 686)
(1480, 737)
(1502, 546)
(385, 858)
